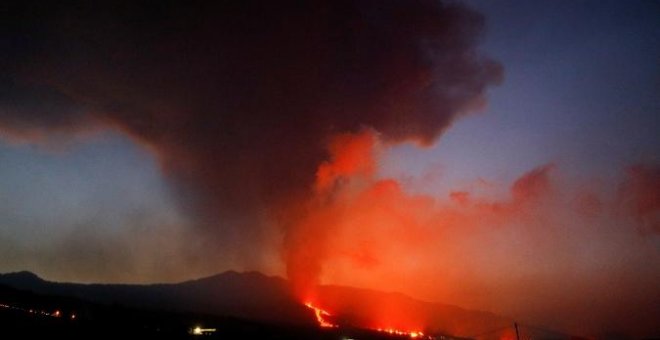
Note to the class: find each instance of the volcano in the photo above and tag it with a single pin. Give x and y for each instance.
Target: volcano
(253, 295)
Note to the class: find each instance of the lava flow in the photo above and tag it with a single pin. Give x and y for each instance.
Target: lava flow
(321, 316)
(413, 334)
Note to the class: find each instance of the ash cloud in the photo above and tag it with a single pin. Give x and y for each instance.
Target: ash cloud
(545, 253)
(639, 196)
(238, 99)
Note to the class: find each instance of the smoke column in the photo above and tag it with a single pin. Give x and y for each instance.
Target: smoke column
(238, 100)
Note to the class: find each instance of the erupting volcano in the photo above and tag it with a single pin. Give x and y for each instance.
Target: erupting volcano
(353, 151)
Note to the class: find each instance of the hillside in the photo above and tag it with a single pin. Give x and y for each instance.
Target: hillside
(256, 296)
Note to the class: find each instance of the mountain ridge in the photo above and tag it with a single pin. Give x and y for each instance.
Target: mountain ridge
(268, 298)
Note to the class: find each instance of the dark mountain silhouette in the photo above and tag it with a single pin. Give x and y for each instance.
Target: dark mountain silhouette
(256, 296)
(28, 315)
(251, 295)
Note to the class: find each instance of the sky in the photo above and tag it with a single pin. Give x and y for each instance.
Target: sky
(486, 154)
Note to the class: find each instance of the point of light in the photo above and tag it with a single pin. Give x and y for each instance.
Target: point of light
(198, 330)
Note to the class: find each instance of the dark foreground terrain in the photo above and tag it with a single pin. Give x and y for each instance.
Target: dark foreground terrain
(26, 315)
(267, 300)
(235, 305)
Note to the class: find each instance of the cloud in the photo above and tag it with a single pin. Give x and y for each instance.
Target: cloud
(238, 99)
(639, 196)
(533, 254)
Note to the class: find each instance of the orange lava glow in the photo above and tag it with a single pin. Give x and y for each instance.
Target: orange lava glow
(321, 316)
(412, 334)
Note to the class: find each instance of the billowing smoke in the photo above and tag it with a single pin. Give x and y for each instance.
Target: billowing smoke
(639, 196)
(547, 253)
(238, 99)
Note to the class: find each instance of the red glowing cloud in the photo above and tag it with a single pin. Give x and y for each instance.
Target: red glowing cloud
(639, 196)
(367, 231)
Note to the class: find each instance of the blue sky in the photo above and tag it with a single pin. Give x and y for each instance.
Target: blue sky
(581, 90)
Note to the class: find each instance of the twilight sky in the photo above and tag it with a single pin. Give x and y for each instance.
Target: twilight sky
(379, 141)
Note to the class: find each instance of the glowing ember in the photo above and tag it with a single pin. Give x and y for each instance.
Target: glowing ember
(321, 316)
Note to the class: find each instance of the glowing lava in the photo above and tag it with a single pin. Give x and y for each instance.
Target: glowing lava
(321, 316)
(413, 334)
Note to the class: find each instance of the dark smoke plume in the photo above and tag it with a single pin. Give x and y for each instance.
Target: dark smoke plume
(238, 99)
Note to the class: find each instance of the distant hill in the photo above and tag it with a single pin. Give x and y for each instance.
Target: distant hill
(29, 315)
(256, 296)
(250, 295)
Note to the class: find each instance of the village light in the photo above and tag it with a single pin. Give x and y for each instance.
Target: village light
(198, 330)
